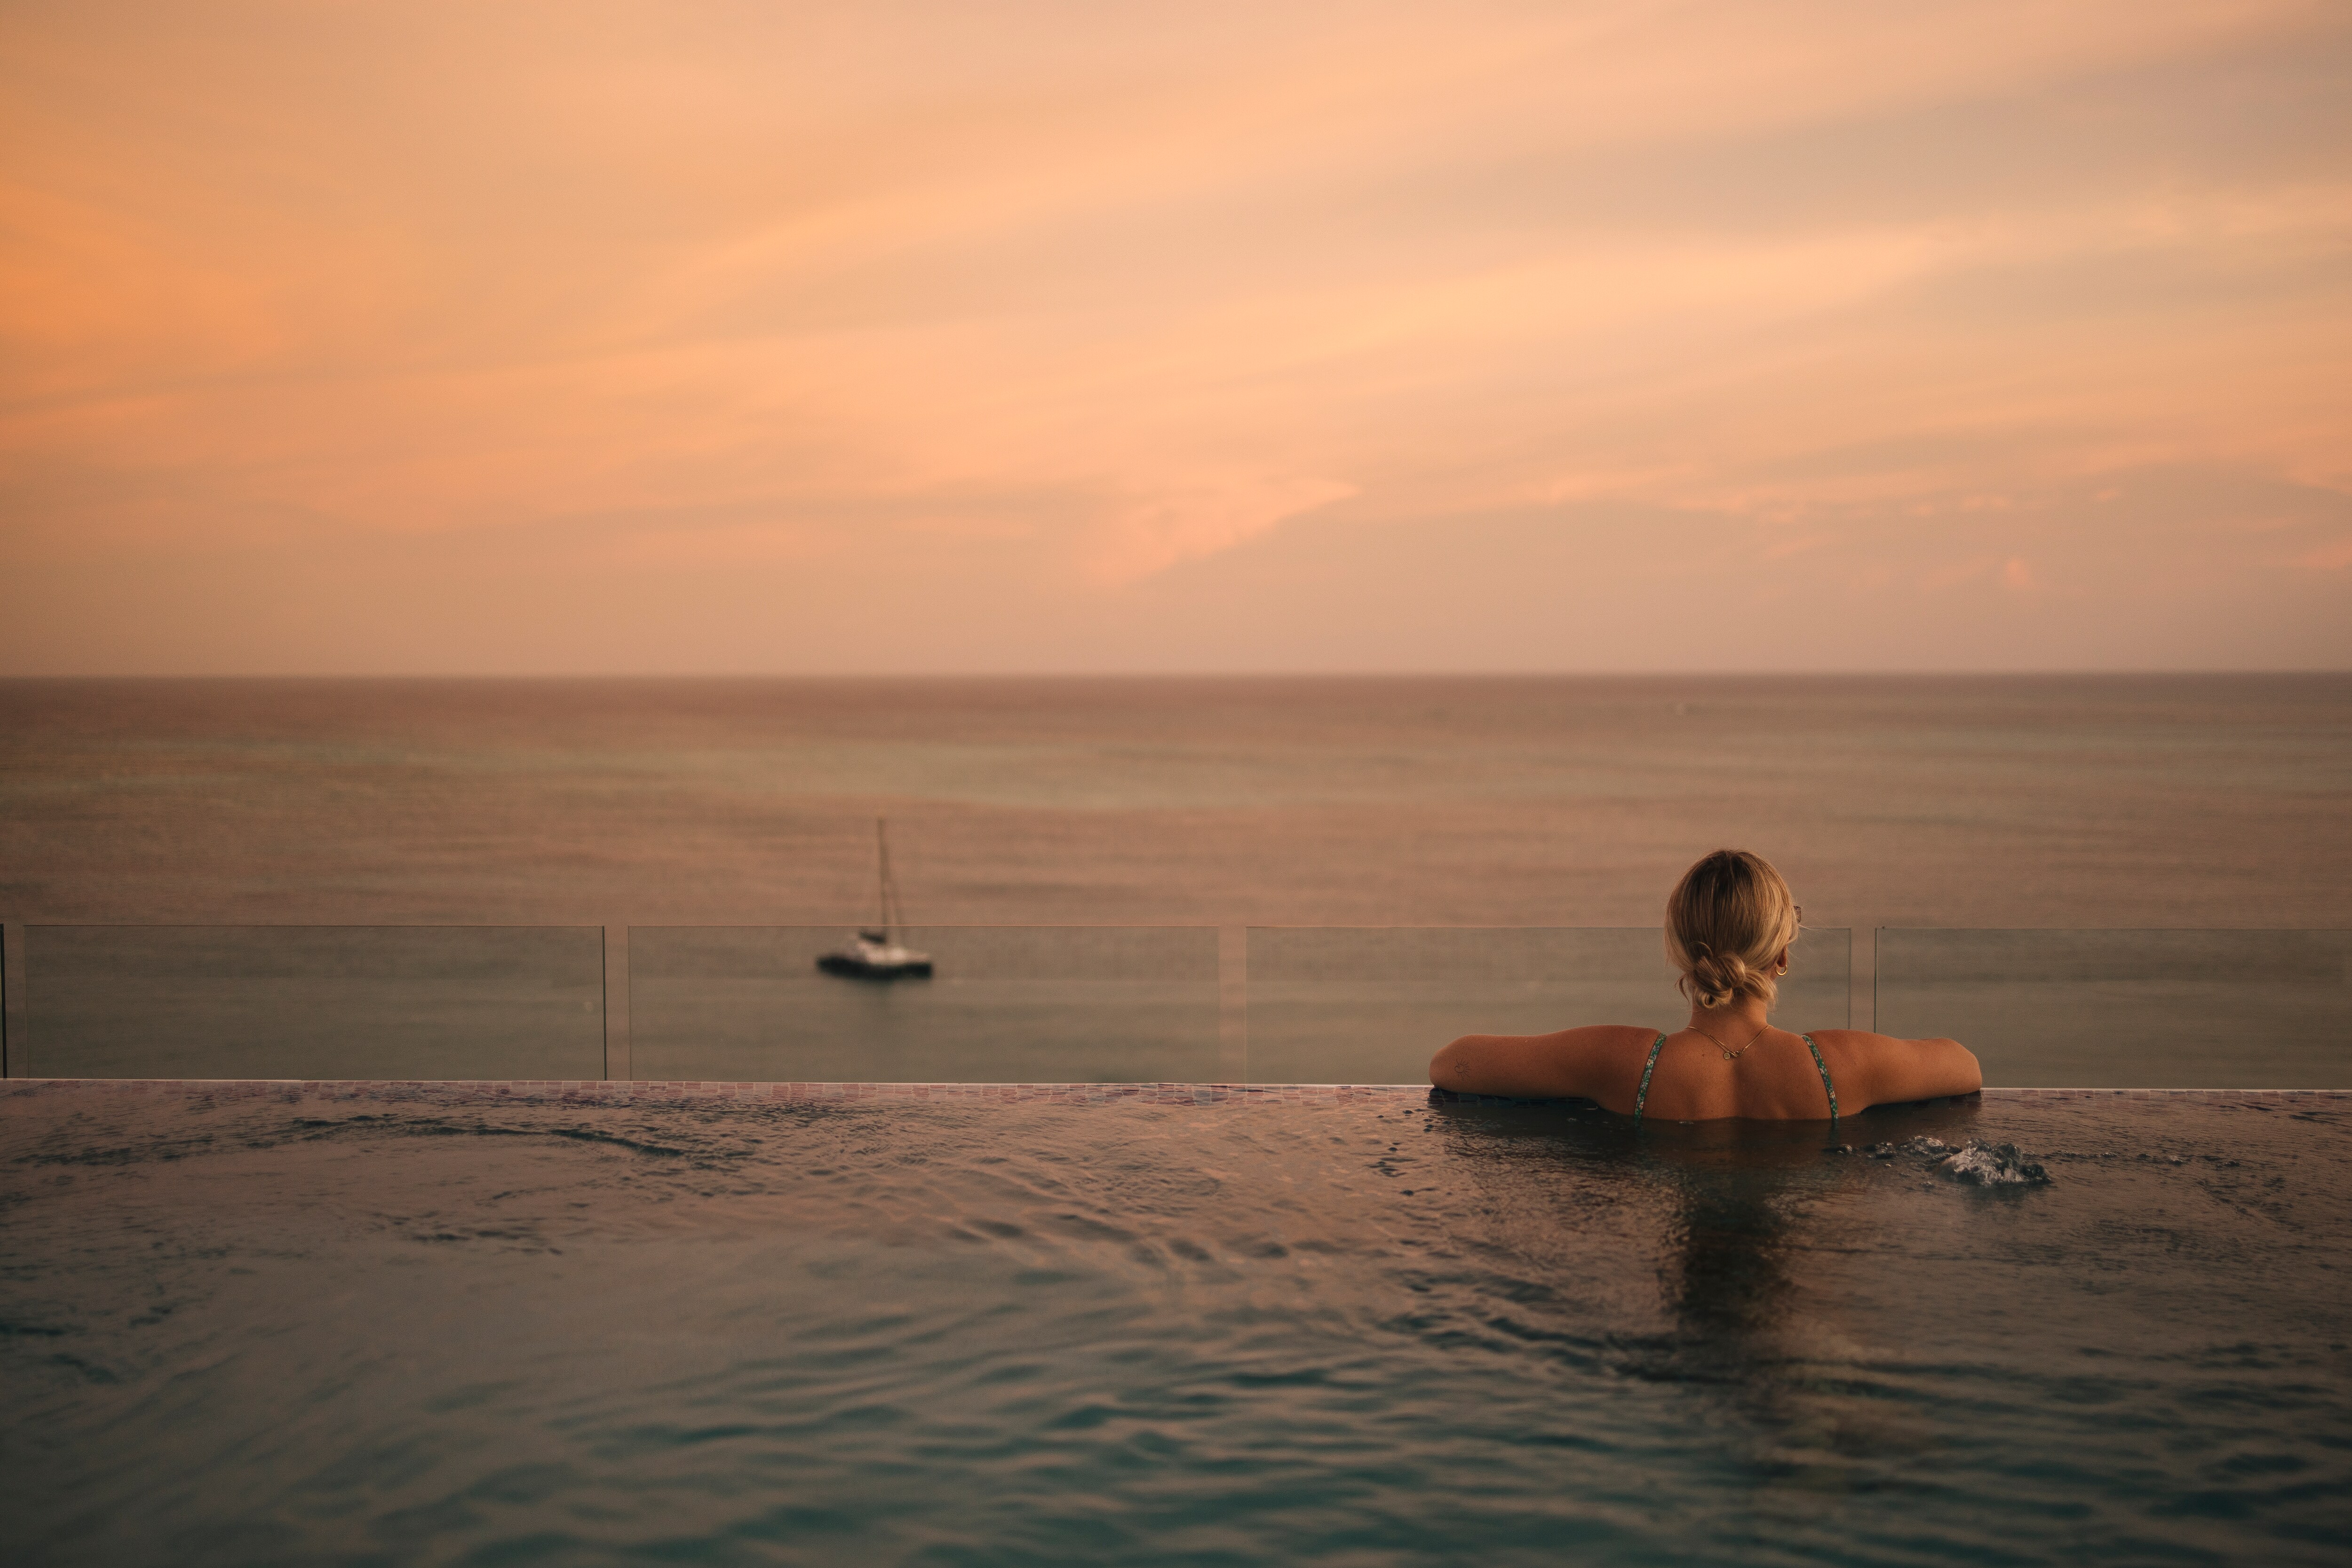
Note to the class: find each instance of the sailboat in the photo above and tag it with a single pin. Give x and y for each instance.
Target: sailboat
(875, 953)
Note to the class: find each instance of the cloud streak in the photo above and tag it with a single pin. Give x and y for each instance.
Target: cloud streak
(1058, 301)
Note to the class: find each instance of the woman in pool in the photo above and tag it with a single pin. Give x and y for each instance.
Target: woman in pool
(1729, 923)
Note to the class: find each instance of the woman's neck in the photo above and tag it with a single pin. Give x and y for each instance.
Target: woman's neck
(1740, 1016)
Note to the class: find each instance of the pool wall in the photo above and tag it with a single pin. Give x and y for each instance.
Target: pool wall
(604, 1092)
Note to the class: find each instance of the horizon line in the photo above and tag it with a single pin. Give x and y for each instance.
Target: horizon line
(1691, 673)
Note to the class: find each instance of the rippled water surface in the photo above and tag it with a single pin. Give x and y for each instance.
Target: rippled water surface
(1376, 1330)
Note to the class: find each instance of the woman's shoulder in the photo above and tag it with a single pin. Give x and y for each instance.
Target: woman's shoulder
(1606, 1046)
(1884, 1069)
(1563, 1063)
(1861, 1042)
(1612, 1036)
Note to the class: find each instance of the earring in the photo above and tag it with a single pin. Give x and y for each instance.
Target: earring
(1782, 971)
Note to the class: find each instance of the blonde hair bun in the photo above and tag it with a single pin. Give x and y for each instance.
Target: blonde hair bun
(1727, 919)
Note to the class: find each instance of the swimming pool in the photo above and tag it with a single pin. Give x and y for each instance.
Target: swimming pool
(612, 1323)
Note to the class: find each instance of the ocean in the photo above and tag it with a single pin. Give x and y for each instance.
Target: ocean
(2165, 800)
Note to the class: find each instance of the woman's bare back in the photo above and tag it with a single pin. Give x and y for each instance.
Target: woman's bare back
(1771, 1076)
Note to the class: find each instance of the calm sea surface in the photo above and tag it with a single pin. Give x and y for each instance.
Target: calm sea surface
(2185, 801)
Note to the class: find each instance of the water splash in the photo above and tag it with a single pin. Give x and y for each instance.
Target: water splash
(1993, 1165)
(1978, 1164)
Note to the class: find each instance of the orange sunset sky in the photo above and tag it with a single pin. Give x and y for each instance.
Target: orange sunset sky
(2009, 334)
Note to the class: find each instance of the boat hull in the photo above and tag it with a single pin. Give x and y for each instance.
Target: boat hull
(853, 967)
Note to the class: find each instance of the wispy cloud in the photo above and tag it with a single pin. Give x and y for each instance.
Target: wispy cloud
(1080, 297)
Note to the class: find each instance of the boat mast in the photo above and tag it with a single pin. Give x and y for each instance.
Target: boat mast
(891, 918)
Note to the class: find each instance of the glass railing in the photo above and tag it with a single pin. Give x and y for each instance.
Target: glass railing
(2141, 1010)
(2094, 1009)
(311, 1001)
(1370, 1005)
(1003, 1004)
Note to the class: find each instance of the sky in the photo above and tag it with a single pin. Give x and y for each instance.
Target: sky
(593, 338)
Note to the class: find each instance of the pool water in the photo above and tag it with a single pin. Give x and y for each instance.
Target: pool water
(440, 1325)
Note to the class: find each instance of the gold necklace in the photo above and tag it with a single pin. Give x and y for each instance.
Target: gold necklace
(1730, 1054)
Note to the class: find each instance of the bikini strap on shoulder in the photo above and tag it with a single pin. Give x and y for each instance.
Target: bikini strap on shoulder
(1827, 1087)
(1642, 1094)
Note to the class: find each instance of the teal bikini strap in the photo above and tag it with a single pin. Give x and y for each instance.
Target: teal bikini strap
(1827, 1087)
(1651, 1066)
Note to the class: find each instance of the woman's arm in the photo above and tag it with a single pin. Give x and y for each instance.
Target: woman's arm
(1572, 1061)
(1893, 1071)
